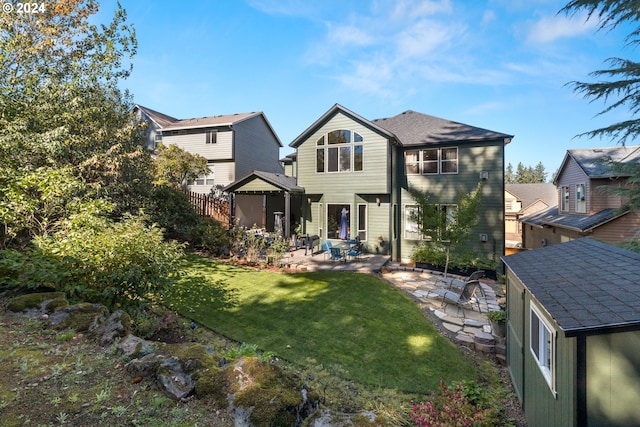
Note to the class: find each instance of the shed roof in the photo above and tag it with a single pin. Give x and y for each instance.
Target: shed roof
(585, 285)
(280, 181)
(413, 128)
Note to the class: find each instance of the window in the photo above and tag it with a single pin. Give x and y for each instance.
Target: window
(542, 346)
(411, 228)
(508, 205)
(564, 198)
(362, 222)
(340, 151)
(431, 161)
(581, 199)
(211, 136)
(206, 179)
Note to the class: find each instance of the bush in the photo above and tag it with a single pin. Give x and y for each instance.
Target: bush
(173, 212)
(210, 235)
(458, 405)
(97, 260)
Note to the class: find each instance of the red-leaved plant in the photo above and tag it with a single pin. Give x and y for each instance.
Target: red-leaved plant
(452, 408)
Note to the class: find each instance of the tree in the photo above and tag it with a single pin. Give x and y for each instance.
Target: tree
(446, 229)
(509, 177)
(622, 89)
(177, 167)
(525, 174)
(63, 115)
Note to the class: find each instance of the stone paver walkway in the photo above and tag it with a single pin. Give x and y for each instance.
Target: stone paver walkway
(470, 327)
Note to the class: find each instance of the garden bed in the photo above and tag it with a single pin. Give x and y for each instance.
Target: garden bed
(460, 271)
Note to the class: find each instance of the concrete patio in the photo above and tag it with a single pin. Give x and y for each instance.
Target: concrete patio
(466, 327)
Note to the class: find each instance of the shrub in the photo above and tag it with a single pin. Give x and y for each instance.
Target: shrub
(97, 260)
(173, 212)
(458, 405)
(210, 235)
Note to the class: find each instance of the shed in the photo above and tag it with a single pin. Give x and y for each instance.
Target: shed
(573, 333)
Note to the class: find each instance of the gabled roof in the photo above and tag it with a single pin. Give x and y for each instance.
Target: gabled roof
(594, 161)
(528, 194)
(279, 181)
(413, 128)
(585, 285)
(337, 108)
(577, 222)
(160, 119)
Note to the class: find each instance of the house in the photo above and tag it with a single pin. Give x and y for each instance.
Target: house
(584, 209)
(521, 200)
(346, 163)
(234, 144)
(573, 333)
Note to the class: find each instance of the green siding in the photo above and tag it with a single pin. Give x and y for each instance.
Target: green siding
(543, 407)
(446, 188)
(515, 333)
(613, 379)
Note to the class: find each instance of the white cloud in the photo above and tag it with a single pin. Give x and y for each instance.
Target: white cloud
(551, 28)
(488, 17)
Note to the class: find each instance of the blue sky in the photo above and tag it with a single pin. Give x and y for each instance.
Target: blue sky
(496, 64)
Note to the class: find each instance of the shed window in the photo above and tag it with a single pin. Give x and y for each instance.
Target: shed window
(543, 346)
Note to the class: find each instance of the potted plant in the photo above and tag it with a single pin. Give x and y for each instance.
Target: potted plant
(498, 319)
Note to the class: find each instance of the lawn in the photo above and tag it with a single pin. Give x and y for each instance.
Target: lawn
(355, 325)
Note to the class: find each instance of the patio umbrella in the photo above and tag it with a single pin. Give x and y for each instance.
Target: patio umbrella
(343, 224)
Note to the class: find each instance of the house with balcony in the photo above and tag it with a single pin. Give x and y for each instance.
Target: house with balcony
(584, 206)
(345, 164)
(521, 200)
(233, 144)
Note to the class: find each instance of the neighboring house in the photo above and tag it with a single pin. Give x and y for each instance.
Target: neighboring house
(583, 208)
(573, 334)
(234, 145)
(344, 162)
(521, 200)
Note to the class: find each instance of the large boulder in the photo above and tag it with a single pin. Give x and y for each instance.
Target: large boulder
(79, 317)
(37, 305)
(117, 325)
(134, 347)
(174, 380)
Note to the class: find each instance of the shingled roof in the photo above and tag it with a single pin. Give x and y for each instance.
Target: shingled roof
(413, 128)
(576, 222)
(528, 194)
(160, 118)
(585, 285)
(595, 162)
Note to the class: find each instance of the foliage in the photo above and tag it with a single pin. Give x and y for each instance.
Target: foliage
(617, 85)
(177, 167)
(96, 259)
(525, 175)
(210, 235)
(173, 211)
(497, 315)
(456, 405)
(446, 233)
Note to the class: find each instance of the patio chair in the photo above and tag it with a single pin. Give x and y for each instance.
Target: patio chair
(336, 254)
(459, 284)
(355, 251)
(326, 248)
(462, 299)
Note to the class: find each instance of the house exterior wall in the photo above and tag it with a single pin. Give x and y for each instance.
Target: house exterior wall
(194, 141)
(600, 199)
(351, 188)
(613, 379)
(571, 175)
(542, 405)
(152, 130)
(619, 230)
(447, 188)
(255, 147)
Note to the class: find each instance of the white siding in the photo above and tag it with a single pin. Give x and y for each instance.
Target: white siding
(195, 143)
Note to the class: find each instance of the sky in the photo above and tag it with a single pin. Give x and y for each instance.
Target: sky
(503, 65)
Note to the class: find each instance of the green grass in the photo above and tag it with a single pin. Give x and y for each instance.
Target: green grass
(355, 325)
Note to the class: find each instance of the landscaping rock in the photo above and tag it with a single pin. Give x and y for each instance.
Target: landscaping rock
(79, 317)
(134, 347)
(174, 380)
(145, 366)
(116, 326)
(35, 305)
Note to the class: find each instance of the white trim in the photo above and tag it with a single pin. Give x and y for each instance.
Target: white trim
(548, 372)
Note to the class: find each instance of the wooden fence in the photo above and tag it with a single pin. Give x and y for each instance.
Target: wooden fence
(208, 206)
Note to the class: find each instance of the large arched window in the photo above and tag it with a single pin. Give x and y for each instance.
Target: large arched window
(340, 151)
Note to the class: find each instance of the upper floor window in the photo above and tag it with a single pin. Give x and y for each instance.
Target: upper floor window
(340, 151)
(211, 136)
(581, 199)
(564, 198)
(206, 179)
(542, 346)
(431, 161)
(508, 205)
